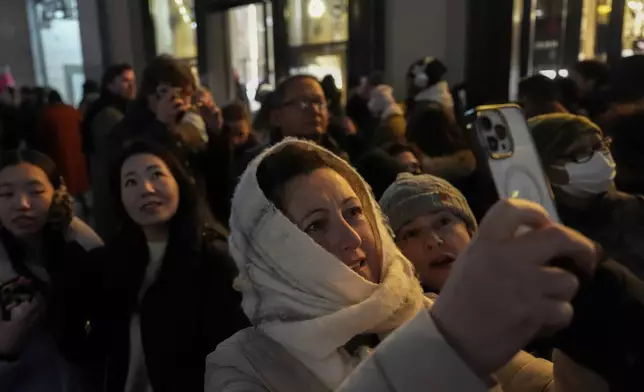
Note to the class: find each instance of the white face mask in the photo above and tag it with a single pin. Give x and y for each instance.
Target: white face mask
(590, 178)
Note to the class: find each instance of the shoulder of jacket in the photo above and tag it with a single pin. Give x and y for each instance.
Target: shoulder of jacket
(232, 351)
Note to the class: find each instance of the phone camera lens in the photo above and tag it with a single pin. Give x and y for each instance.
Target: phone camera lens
(493, 143)
(486, 123)
(501, 132)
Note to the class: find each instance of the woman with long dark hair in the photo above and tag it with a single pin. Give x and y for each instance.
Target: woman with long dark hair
(168, 280)
(45, 278)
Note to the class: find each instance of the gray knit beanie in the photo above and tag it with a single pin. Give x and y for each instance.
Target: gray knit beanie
(411, 196)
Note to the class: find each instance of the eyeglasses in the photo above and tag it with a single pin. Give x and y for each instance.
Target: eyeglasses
(306, 104)
(587, 155)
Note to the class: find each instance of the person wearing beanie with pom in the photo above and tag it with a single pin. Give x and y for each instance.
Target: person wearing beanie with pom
(581, 169)
(391, 121)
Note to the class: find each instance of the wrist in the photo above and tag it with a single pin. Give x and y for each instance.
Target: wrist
(460, 345)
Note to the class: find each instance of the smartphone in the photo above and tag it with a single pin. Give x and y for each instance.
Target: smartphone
(13, 293)
(505, 149)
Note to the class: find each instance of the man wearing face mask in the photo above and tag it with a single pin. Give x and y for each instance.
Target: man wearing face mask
(577, 159)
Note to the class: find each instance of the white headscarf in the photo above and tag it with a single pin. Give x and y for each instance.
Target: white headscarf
(300, 294)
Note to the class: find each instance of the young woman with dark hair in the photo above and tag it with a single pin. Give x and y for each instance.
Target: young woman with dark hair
(168, 294)
(45, 278)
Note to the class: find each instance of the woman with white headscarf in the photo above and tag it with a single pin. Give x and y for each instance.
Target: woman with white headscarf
(323, 283)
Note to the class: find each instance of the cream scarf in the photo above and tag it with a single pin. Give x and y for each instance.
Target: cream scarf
(302, 296)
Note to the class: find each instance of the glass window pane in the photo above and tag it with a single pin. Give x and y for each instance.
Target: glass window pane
(248, 32)
(633, 36)
(317, 21)
(174, 27)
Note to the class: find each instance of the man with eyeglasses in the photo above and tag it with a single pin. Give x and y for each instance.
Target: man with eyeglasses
(577, 159)
(298, 109)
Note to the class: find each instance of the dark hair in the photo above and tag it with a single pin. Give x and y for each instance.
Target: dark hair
(379, 170)
(594, 70)
(282, 89)
(236, 111)
(191, 216)
(53, 240)
(292, 161)
(628, 79)
(33, 157)
(114, 71)
(165, 69)
(397, 148)
(54, 97)
(538, 89)
(91, 86)
(376, 78)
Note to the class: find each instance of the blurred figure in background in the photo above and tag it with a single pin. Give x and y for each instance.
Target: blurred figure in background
(209, 111)
(623, 123)
(91, 93)
(569, 95)
(379, 170)
(357, 105)
(392, 126)
(60, 138)
(237, 128)
(333, 96)
(118, 89)
(9, 117)
(407, 155)
(539, 95)
(432, 125)
(240, 89)
(592, 78)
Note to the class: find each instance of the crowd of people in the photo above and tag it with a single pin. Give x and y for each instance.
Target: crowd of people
(333, 241)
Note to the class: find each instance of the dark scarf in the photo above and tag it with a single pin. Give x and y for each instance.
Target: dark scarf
(107, 99)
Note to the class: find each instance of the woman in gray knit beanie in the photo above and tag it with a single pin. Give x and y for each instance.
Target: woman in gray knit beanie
(432, 223)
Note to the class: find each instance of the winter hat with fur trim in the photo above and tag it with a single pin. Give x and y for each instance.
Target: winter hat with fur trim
(411, 196)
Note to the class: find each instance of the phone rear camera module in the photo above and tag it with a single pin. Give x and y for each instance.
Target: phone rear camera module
(501, 131)
(486, 123)
(493, 144)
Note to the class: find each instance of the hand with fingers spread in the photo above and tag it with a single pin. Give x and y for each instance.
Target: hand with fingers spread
(502, 290)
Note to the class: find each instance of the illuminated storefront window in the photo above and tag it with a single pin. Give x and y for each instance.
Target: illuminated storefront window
(594, 29)
(251, 45)
(174, 27)
(318, 31)
(633, 32)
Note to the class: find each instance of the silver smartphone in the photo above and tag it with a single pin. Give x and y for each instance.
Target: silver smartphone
(506, 147)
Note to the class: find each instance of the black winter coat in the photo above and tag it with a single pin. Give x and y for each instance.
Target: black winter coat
(184, 315)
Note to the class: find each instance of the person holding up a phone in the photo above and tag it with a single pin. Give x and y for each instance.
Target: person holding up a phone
(434, 226)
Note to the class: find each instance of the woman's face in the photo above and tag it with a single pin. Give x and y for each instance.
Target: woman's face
(324, 206)
(25, 198)
(432, 243)
(149, 191)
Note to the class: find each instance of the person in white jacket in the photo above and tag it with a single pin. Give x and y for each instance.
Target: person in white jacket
(323, 283)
